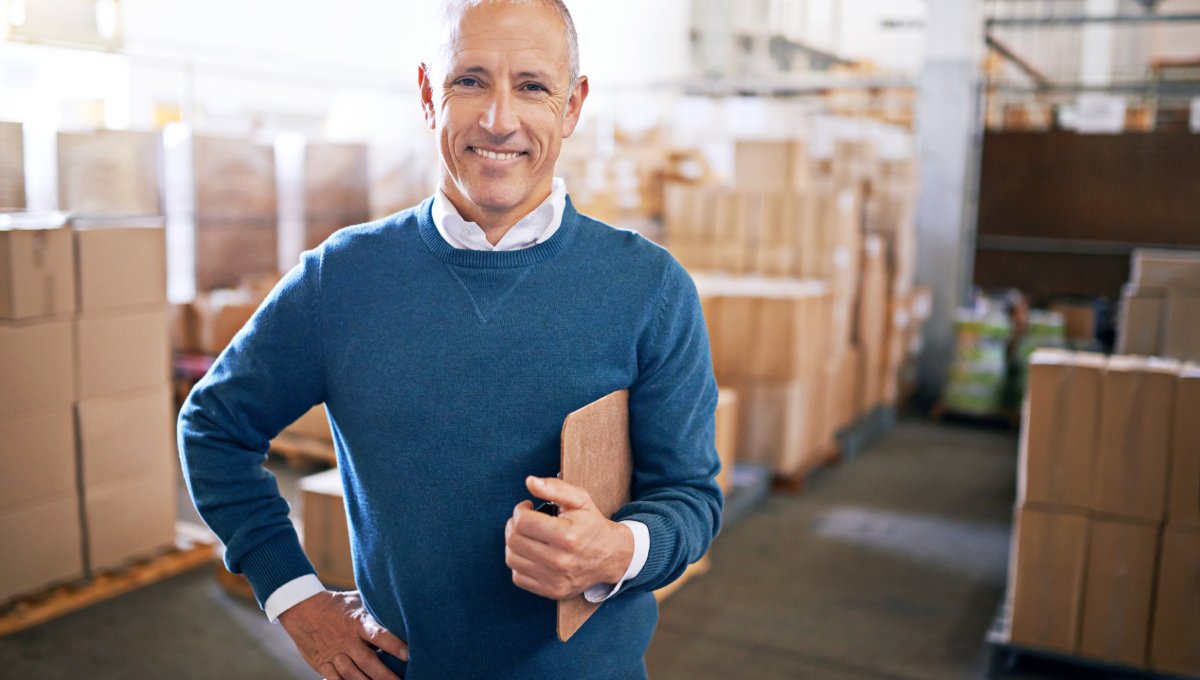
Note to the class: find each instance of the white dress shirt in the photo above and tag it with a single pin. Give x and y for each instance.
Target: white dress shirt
(534, 228)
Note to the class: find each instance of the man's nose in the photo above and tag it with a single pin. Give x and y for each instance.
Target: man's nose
(500, 117)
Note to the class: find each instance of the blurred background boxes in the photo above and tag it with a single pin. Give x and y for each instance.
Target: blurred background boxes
(110, 173)
(1119, 591)
(1046, 579)
(12, 166)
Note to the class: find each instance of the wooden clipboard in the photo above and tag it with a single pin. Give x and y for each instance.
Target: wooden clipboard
(597, 456)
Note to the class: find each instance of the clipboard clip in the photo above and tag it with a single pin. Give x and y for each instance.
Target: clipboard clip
(550, 507)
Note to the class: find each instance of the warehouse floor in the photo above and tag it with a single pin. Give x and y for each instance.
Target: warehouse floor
(890, 565)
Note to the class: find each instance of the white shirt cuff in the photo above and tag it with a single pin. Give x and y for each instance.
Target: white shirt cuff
(641, 550)
(291, 594)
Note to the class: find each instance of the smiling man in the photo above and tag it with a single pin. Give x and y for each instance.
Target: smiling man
(448, 342)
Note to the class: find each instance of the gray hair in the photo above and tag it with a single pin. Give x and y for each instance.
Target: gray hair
(450, 10)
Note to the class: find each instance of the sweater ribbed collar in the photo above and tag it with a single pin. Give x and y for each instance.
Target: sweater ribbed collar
(489, 259)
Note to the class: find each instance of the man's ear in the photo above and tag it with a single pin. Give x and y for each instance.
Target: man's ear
(574, 106)
(427, 107)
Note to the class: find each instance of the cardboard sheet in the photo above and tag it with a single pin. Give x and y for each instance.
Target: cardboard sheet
(597, 456)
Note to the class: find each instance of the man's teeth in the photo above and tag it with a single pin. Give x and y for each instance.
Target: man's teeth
(495, 156)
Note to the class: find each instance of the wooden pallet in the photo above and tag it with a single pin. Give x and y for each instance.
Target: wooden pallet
(31, 610)
(795, 483)
(301, 450)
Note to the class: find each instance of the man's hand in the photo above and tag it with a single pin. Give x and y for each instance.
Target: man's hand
(337, 637)
(560, 557)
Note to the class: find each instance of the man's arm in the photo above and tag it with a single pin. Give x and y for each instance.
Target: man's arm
(671, 421)
(271, 374)
(676, 498)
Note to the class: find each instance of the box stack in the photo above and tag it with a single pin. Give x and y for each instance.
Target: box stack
(336, 189)
(1160, 311)
(12, 166)
(123, 399)
(110, 173)
(1106, 544)
(846, 221)
(236, 212)
(39, 505)
(765, 347)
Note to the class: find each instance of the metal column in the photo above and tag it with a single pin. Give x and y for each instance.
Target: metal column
(948, 137)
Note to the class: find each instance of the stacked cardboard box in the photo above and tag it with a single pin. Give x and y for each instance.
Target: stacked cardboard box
(123, 404)
(39, 507)
(1106, 529)
(1160, 312)
(110, 173)
(236, 212)
(336, 190)
(769, 342)
(847, 221)
(12, 166)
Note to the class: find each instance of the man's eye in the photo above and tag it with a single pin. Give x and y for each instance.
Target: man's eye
(466, 82)
(534, 87)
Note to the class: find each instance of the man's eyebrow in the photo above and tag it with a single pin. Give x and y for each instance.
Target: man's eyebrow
(536, 75)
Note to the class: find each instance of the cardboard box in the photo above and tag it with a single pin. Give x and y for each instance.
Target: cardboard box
(313, 424)
(326, 531)
(767, 165)
(1059, 430)
(775, 425)
(130, 519)
(1135, 438)
(1079, 319)
(1165, 268)
(121, 267)
(39, 456)
(1175, 643)
(235, 180)
(121, 352)
(42, 545)
(1183, 494)
(1046, 579)
(35, 365)
(227, 254)
(1181, 325)
(1140, 328)
(126, 435)
(110, 172)
(37, 273)
(217, 321)
(1119, 592)
(12, 166)
(725, 436)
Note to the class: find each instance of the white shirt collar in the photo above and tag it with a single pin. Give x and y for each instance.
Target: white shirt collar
(534, 228)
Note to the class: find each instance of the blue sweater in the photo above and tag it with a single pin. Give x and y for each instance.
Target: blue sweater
(447, 375)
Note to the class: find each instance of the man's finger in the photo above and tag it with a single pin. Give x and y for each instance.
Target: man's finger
(345, 666)
(569, 496)
(535, 551)
(371, 666)
(328, 672)
(385, 640)
(537, 525)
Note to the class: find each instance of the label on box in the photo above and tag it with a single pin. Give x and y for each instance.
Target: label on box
(1100, 114)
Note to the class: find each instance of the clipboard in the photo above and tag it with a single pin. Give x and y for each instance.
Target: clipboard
(596, 456)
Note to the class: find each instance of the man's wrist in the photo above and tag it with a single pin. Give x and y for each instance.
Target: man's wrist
(291, 594)
(622, 554)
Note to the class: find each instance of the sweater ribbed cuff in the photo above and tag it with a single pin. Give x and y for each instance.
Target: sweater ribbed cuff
(273, 564)
(659, 559)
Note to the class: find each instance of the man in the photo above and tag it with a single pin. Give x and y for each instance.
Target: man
(448, 343)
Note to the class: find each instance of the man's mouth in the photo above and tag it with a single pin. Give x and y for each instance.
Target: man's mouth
(496, 155)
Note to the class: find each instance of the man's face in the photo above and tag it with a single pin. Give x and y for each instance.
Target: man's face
(501, 102)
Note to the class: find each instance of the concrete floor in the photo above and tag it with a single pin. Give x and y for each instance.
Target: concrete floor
(890, 565)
